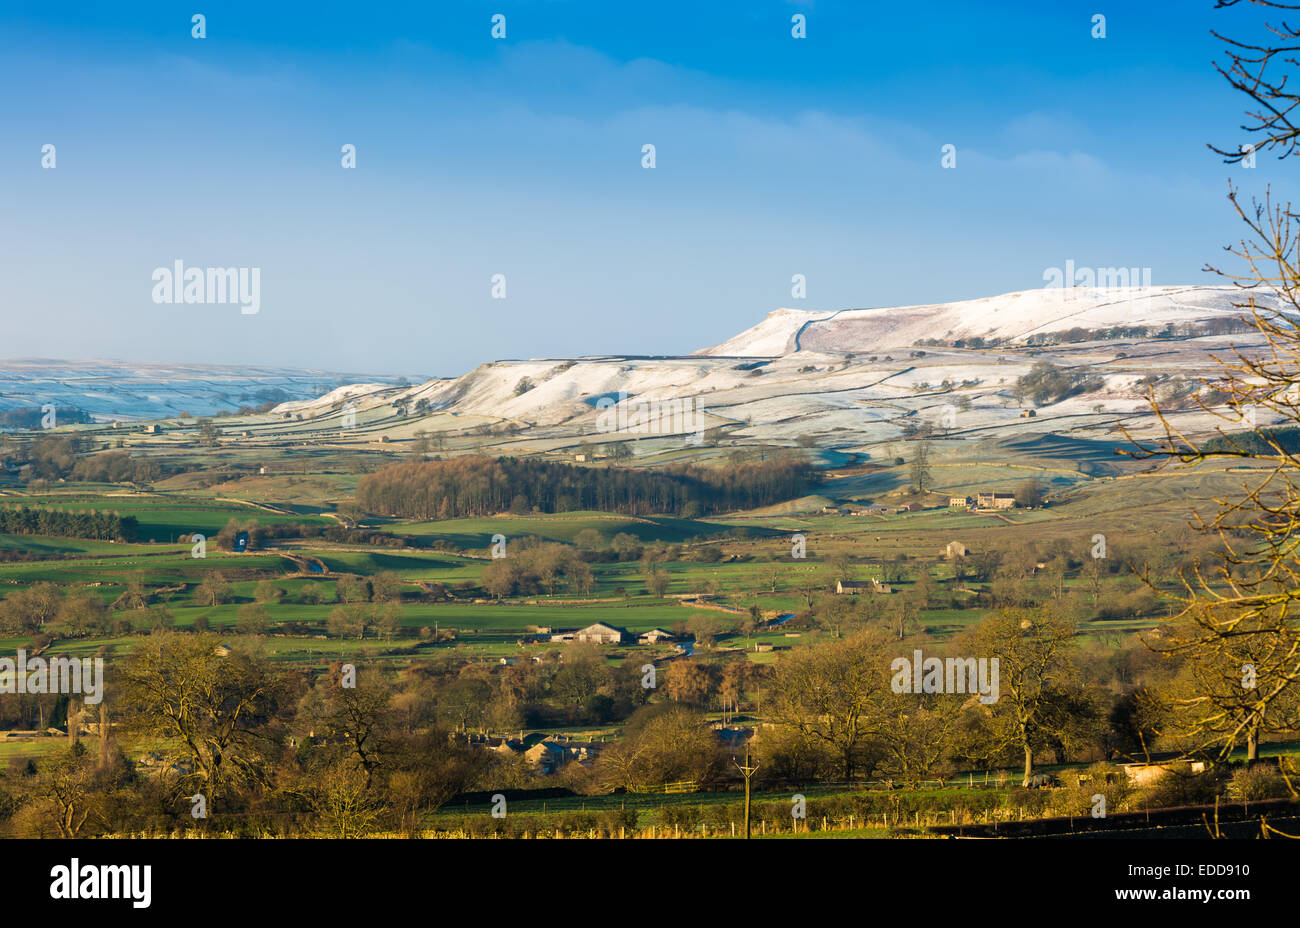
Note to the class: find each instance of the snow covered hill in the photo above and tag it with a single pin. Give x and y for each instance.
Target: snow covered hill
(850, 381)
(1010, 319)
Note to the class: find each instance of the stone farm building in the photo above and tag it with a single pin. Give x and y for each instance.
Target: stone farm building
(547, 756)
(853, 587)
(1144, 774)
(983, 501)
(955, 549)
(550, 755)
(873, 510)
(654, 636)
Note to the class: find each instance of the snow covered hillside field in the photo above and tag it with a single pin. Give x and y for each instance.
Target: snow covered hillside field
(852, 382)
(1051, 374)
(108, 390)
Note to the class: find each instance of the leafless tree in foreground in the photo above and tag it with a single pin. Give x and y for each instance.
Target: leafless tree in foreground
(1237, 625)
(1261, 72)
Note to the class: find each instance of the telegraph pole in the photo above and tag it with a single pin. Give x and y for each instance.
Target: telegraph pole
(746, 771)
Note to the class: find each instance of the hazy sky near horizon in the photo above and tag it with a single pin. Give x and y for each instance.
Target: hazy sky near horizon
(522, 156)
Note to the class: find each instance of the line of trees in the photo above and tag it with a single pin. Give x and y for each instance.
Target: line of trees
(52, 457)
(1046, 383)
(1223, 325)
(476, 486)
(543, 566)
(83, 523)
(1258, 443)
(119, 467)
(268, 750)
(31, 417)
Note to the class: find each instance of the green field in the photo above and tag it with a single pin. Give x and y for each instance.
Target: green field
(441, 619)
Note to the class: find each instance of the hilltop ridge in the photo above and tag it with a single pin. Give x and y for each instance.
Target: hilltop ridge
(1008, 319)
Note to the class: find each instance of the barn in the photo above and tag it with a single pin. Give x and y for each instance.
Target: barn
(600, 633)
(852, 587)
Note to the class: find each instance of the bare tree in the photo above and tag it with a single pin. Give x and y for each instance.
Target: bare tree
(1034, 668)
(1238, 604)
(1254, 70)
(837, 695)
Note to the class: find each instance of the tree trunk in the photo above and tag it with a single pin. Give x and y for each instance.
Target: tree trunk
(1029, 764)
(103, 735)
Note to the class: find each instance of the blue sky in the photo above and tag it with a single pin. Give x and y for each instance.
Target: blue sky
(522, 157)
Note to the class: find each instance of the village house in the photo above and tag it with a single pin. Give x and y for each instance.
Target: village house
(995, 501)
(853, 587)
(550, 755)
(506, 747)
(546, 756)
(959, 502)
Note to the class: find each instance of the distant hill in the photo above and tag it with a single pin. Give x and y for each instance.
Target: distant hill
(1010, 319)
(132, 390)
(851, 382)
(842, 386)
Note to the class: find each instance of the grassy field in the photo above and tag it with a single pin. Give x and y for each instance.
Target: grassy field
(162, 518)
(477, 533)
(735, 562)
(756, 557)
